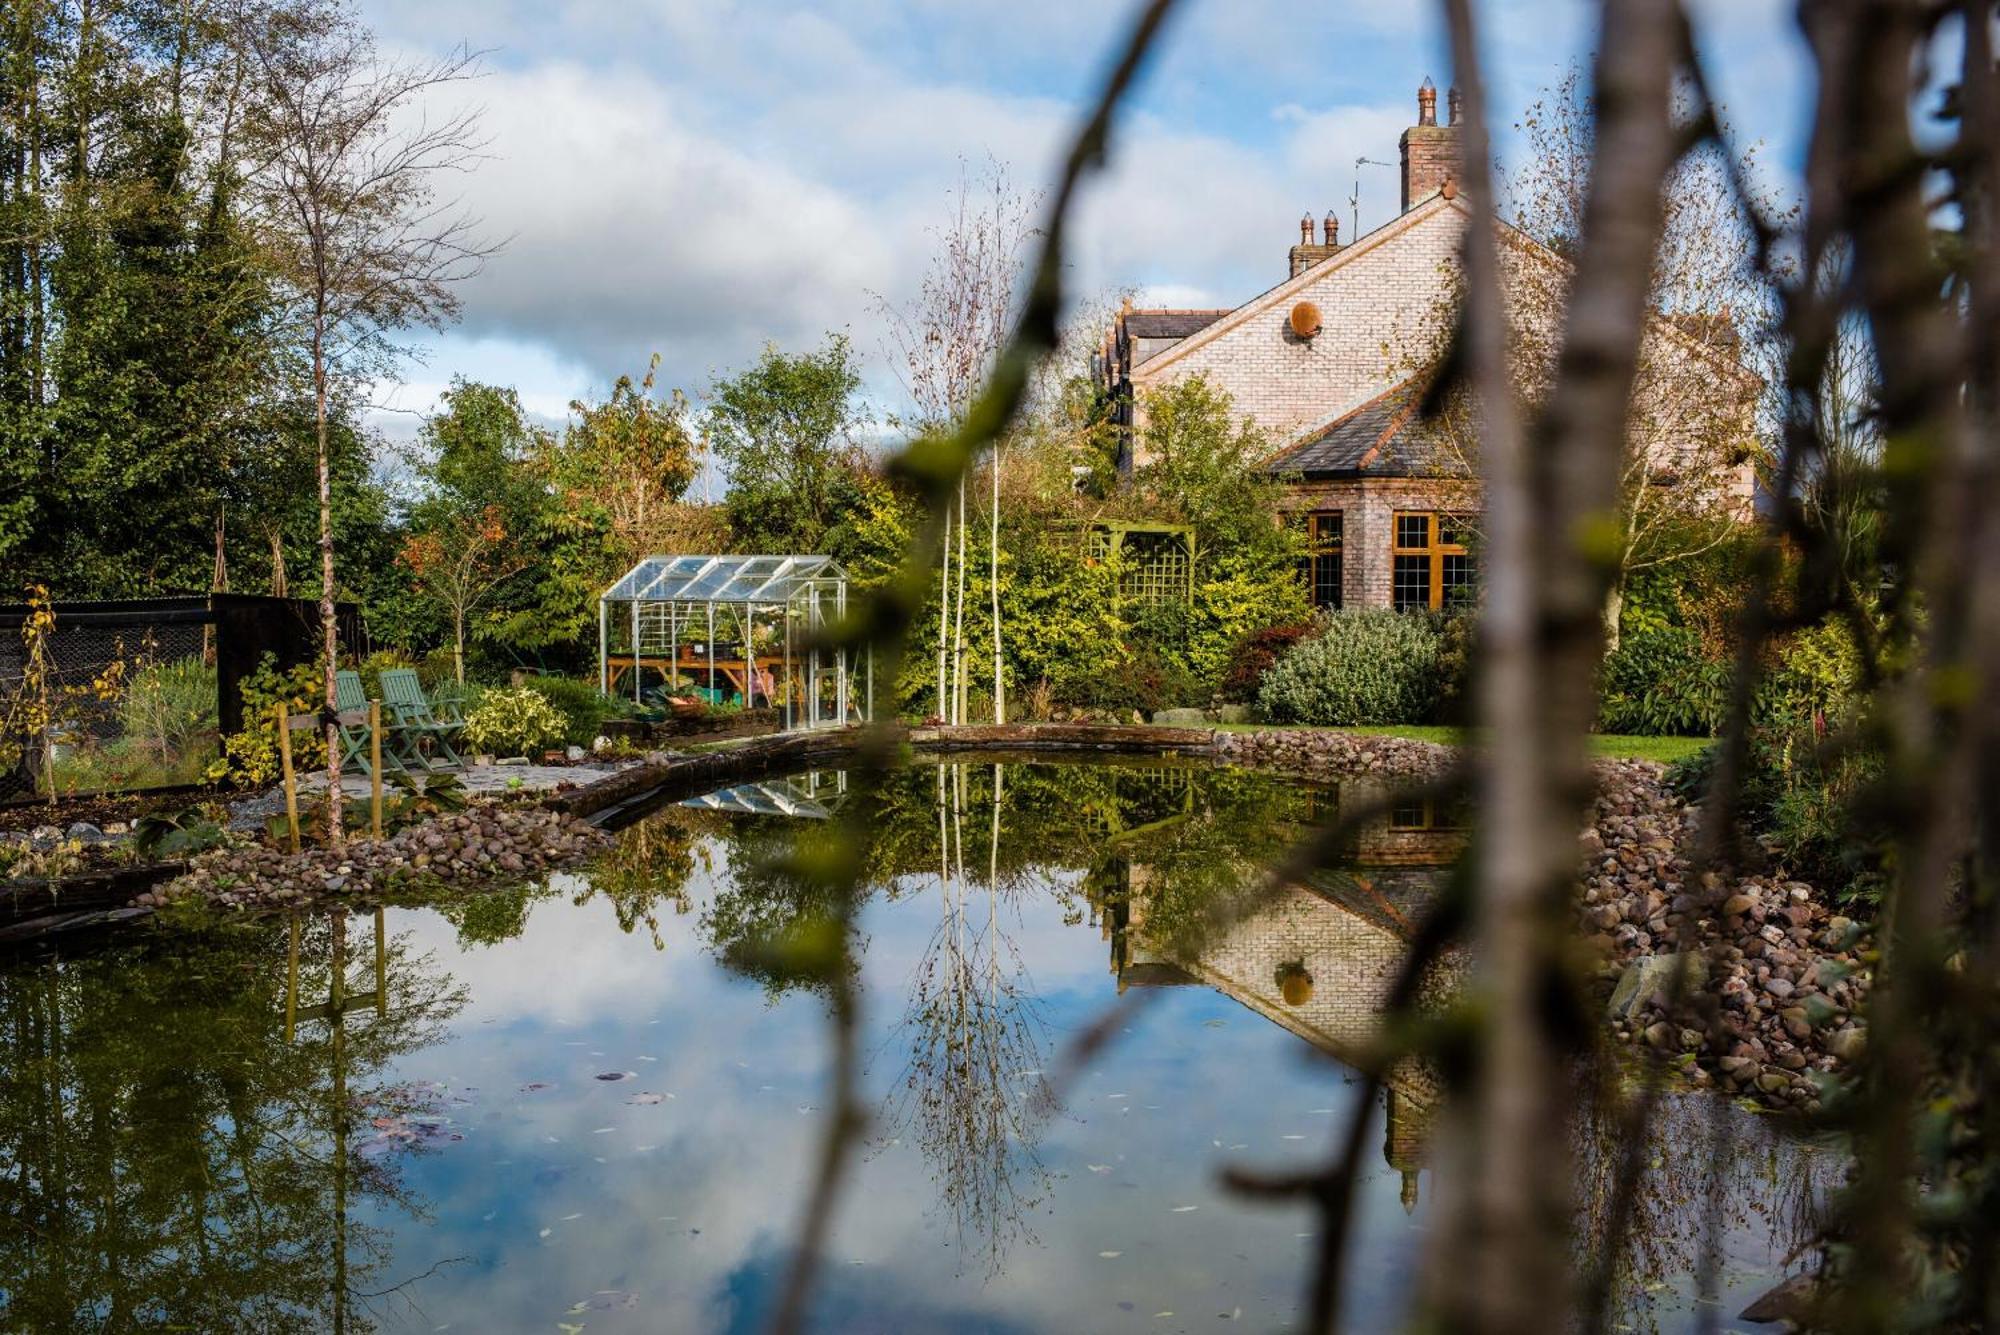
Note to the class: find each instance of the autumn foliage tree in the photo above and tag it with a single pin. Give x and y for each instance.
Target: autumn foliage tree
(631, 459)
(457, 563)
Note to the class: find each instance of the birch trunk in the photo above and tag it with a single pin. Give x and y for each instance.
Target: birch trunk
(993, 582)
(328, 628)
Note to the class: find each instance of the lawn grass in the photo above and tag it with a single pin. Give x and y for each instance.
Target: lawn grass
(1665, 750)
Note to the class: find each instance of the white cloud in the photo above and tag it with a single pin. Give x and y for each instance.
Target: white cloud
(697, 177)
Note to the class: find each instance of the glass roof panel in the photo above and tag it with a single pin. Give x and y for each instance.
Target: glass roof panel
(723, 579)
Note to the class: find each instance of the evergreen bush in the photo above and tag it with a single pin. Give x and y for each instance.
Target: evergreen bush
(1660, 682)
(1365, 667)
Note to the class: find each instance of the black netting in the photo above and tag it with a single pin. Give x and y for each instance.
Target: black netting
(122, 696)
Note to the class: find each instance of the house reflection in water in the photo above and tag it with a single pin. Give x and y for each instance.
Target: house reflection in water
(1317, 958)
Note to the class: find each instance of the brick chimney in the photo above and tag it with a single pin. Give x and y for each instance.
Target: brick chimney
(1305, 254)
(1430, 150)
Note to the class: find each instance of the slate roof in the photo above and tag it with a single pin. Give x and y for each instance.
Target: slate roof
(1384, 437)
(1169, 324)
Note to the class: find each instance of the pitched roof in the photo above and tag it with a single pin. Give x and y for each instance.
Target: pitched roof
(1384, 437)
(1170, 324)
(1211, 330)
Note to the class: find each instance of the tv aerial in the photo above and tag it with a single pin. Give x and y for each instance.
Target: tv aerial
(1354, 200)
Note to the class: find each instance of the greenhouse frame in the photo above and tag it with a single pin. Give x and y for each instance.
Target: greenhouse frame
(734, 629)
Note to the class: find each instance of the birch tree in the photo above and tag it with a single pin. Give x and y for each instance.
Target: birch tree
(945, 342)
(347, 196)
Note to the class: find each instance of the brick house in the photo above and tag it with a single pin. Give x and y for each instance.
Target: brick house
(1387, 502)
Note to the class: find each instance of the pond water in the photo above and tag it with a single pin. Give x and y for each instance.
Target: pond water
(596, 1104)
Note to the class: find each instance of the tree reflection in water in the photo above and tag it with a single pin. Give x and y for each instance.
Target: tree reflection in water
(168, 1159)
(973, 1089)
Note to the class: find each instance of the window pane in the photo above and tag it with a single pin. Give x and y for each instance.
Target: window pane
(1459, 576)
(1413, 530)
(1411, 582)
(1410, 816)
(1452, 530)
(1326, 579)
(1327, 529)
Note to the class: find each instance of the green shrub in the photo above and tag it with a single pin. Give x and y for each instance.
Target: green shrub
(371, 668)
(1813, 680)
(1367, 666)
(1458, 641)
(1808, 801)
(584, 708)
(513, 721)
(1661, 683)
(1147, 680)
(250, 758)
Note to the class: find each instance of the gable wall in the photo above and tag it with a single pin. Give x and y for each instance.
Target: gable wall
(1374, 300)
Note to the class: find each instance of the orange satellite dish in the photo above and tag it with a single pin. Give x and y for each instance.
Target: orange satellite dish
(1305, 319)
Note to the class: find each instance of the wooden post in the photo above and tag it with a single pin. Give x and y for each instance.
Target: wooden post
(292, 982)
(291, 788)
(375, 767)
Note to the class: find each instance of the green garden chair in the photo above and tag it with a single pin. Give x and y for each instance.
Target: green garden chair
(404, 695)
(351, 704)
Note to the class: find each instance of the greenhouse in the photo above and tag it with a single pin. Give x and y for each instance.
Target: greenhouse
(733, 632)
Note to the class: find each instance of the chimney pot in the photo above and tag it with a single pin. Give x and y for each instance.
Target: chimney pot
(1455, 102)
(1427, 103)
(1306, 230)
(1332, 229)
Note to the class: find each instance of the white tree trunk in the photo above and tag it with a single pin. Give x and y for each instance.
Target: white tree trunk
(993, 568)
(329, 629)
(944, 620)
(958, 619)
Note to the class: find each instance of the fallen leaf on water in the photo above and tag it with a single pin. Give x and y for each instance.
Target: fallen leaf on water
(1185, 1209)
(1098, 1167)
(647, 1097)
(545, 1232)
(566, 1218)
(534, 1085)
(606, 1300)
(616, 1075)
(1111, 1256)
(603, 1130)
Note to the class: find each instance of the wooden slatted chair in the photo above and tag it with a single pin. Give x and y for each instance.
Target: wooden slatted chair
(351, 718)
(404, 695)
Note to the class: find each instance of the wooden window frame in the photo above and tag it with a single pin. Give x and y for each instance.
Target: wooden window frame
(1434, 550)
(1316, 551)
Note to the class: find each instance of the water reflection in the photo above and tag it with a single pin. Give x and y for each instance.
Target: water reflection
(201, 1132)
(184, 1139)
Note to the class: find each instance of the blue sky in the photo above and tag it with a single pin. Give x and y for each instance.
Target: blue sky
(695, 177)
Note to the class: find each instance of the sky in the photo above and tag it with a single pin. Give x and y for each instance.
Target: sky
(696, 178)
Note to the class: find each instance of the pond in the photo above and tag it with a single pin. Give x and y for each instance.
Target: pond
(596, 1104)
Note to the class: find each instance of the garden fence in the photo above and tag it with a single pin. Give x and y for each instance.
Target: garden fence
(101, 697)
